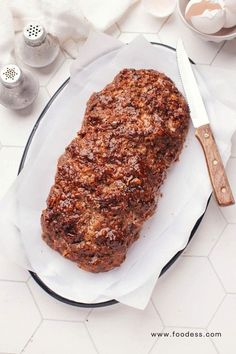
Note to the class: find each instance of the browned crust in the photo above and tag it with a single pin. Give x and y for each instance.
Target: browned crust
(108, 180)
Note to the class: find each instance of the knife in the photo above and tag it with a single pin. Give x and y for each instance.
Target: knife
(203, 130)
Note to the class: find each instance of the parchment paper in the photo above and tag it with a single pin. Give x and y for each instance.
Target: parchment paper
(185, 192)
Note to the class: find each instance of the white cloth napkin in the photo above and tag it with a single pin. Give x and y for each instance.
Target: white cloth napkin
(66, 19)
(165, 233)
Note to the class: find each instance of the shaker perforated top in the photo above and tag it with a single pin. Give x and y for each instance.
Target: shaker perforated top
(10, 75)
(34, 34)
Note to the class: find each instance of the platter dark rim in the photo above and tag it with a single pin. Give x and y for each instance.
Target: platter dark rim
(33, 274)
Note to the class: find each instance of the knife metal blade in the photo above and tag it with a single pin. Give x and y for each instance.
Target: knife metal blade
(198, 111)
(203, 130)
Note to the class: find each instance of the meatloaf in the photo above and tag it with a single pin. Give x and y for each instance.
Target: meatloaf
(108, 180)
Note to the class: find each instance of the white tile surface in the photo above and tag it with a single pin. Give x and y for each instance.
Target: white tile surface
(137, 20)
(198, 50)
(120, 329)
(223, 258)
(188, 294)
(226, 58)
(19, 316)
(59, 77)
(230, 212)
(208, 232)
(11, 271)
(15, 126)
(9, 161)
(225, 322)
(184, 343)
(55, 337)
(53, 309)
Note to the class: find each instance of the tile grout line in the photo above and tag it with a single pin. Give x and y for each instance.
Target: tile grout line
(162, 322)
(61, 320)
(219, 237)
(35, 302)
(138, 32)
(218, 51)
(156, 341)
(91, 338)
(88, 314)
(163, 24)
(154, 344)
(212, 317)
(211, 339)
(217, 275)
(156, 33)
(56, 71)
(214, 345)
(12, 146)
(194, 256)
(29, 340)
(14, 281)
(157, 312)
(46, 89)
(223, 216)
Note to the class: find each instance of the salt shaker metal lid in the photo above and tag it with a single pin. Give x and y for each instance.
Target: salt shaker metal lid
(10, 75)
(34, 34)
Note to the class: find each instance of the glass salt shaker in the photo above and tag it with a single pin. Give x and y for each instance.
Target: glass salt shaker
(18, 89)
(36, 47)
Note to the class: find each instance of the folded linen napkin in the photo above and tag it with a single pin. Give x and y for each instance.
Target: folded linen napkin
(66, 19)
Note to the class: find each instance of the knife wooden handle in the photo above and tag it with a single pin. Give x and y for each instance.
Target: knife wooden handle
(219, 180)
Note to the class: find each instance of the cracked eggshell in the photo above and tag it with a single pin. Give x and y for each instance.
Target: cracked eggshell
(206, 16)
(230, 13)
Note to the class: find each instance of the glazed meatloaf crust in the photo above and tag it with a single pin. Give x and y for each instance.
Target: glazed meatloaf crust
(108, 180)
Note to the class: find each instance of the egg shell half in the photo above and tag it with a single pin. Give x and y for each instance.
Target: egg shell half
(230, 13)
(208, 21)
